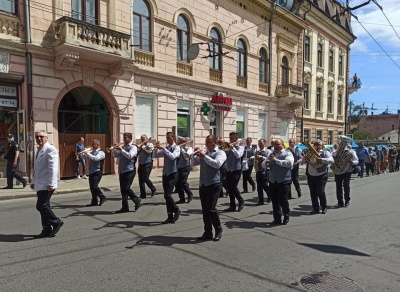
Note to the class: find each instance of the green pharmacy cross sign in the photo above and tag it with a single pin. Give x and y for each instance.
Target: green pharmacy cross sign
(205, 109)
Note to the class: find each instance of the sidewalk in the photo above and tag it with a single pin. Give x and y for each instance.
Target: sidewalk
(108, 183)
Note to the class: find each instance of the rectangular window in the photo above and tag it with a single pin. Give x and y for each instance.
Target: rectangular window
(307, 49)
(306, 96)
(183, 119)
(262, 126)
(330, 102)
(144, 119)
(330, 137)
(340, 133)
(319, 135)
(330, 60)
(319, 56)
(340, 65)
(306, 134)
(339, 104)
(9, 6)
(319, 101)
(85, 10)
(240, 123)
(285, 129)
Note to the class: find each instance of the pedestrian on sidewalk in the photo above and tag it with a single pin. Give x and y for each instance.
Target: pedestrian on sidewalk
(12, 157)
(261, 172)
(126, 153)
(96, 161)
(317, 177)
(363, 155)
(79, 147)
(297, 155)
(171, 153)
(210, 162)
(247, 166)
(44, 182)
(384, 162)
(280, 162)
(392, 158)
(182, 185)
(370, 162)
(145, 157)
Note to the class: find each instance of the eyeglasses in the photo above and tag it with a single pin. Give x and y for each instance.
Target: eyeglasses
(37, 137)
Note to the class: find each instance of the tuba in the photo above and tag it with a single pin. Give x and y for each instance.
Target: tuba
(342, 156)
(311, 154)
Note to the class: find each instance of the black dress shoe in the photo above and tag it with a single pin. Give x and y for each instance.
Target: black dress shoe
(56, 227)
(275, 222)
(313, 211)
(347, 203)
(153, 192)
(324, 210)
(168, 220)
(285, 220)
(240, 207)
(339, 205)
(176, 216)
(230, 209)
(137, 204)
(180, 202)
(102, 201)
(268, 200)
(190, 198)
(122, 210)
(24, 184)
(7, 188)
(205, 236)
(253, 188)
(244, 192)
(260, 203)
(142, 196)
(218, 235)
(43, 234)
(298, 193)
(91, 205)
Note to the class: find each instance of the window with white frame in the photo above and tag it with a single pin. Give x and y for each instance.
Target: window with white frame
(262, 126)
(240, 123)
(183, 119)
(144, 120)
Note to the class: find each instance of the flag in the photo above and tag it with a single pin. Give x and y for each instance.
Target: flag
(376, 2)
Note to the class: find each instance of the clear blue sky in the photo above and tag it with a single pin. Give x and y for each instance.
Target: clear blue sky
(380, 76)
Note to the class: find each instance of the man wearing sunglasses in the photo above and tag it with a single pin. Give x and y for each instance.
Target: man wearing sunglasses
(44, 183)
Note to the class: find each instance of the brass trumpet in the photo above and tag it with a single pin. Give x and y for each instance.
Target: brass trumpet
(111, 149)
(226, 146)
(145, 146)
(86, 150)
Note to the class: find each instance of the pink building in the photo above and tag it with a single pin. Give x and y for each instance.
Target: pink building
(379, 125)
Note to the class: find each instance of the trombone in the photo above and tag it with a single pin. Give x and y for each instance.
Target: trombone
(111, 149)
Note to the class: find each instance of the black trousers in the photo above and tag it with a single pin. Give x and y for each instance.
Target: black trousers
(144, 171)
(247, 178)
(182, 185)
(125, 182)
(43, 206)
(12, 172)
(222, 171)
(209, 198)
(369, 167)
(232, 180)
(295, 180)
(279, 198)
(343, 183)
(262, 185)
(317, 190)
(94, 180)
(168, 182)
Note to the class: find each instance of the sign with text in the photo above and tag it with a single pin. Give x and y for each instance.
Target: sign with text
(8, 97)
(221, 103)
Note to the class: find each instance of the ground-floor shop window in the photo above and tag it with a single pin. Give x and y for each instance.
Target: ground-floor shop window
(183, 119)
(144, 120)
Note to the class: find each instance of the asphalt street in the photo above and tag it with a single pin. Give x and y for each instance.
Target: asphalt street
(97, 250)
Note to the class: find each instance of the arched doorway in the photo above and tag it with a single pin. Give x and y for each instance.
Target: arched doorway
(82, 112)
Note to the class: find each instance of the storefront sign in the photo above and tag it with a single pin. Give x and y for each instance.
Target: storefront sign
(4, 62)
(221, 103)
(285, 115)
(8, 97)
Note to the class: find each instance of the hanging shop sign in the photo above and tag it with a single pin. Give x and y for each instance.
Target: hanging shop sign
(221, 103)
(8, 97)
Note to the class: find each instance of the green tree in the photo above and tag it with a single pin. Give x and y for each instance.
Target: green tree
(358, 135)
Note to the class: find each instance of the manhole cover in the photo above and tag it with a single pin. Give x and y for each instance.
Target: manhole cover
(326, 282)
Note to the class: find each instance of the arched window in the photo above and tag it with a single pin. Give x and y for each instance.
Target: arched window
(215, 50)
(264, 66)
(241, 58)
(285, 71)
(182, 39)
(141, 25)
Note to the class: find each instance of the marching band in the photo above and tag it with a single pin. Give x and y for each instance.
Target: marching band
(221, 166)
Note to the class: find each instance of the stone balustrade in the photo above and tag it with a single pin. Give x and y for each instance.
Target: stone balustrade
(263, 87)
(144, 58)
(9, 25)
(241, 81)
(184, 68)
(215, 76)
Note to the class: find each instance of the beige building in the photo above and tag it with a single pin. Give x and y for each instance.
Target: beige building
(326, 70)
(98, 68)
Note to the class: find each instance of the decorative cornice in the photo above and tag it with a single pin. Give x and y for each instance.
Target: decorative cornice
(320, 81)
(121, 68)
(321, 38)
(66, 60)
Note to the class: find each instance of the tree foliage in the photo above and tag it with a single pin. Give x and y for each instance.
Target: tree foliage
(359, 135)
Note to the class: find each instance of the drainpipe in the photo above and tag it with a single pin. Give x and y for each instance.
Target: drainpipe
(270, 48)
(29, 135)
(347, 118)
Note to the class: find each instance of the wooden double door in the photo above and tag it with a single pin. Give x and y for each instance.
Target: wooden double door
(67, 153)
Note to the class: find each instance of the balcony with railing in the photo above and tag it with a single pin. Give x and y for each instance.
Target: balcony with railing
(289, 95)
(87, 39)
(241, 81)
(184, 68)
(263, 87)
(354, 85)
(9, 27)
(215, 76)
(144, 58)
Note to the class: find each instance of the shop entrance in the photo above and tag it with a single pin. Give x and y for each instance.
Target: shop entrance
(215, 123)
(83, 112)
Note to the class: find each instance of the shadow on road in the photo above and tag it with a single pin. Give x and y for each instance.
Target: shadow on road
(334, 249)
(248, 224)
(127, 224)
(15, 237)
(164, 241)
(90, 213)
